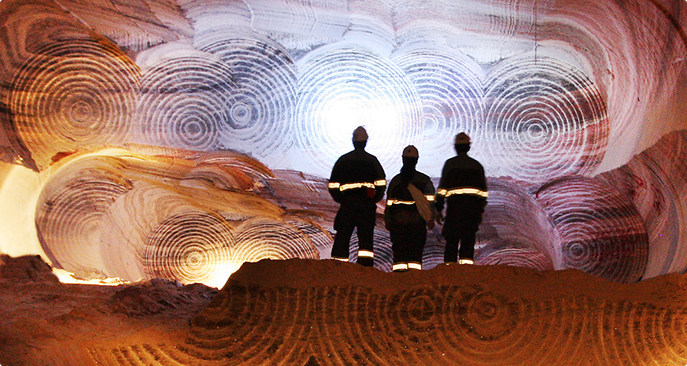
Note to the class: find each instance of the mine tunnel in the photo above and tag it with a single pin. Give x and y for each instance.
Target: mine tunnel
(180, 139)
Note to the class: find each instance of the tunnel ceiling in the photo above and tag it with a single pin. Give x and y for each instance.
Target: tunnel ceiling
(545, 88)
(558, 96)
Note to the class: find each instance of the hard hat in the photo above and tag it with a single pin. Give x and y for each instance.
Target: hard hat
(410, 151)
(462, 138)
(360, 134)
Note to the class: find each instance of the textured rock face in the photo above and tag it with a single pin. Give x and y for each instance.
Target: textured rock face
(544, 89)
(189, 218)
(61, 320)
(328, 313)
(133, 118)
(311, 312)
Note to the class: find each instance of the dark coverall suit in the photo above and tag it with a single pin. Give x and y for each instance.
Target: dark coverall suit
(357, 183)
(407, 228)
(463, 186)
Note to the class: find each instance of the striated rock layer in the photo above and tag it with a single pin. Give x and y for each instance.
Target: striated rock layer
(193, 217)
(545, 88)
(45, 322)
(147, 212)
(306, 312)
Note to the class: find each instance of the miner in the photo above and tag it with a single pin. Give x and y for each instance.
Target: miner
(463, 189)
(409, 212)
(357, 183)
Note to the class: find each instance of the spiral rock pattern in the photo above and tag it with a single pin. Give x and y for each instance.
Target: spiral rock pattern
(189, 247)
(654, 180)
(253, 100)
(519, 257)
(503, 223)
(69, 214)
(343, 87)
(228, 170)
(384, 255)
(433, 254)
(486, 318)
(149, 209)
(377, 322)
(601, 232)
(260, 117)
(193, 219)
(320, 238)
(545, 119)
(451, 87)
(186, 103)
(308, 23)
(74, 94)
(261, 238)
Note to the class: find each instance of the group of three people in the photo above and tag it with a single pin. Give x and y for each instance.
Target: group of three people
(358, 182)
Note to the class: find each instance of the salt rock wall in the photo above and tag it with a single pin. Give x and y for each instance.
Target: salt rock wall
(193, 218)
(544, 90)
(558, 96)
(623, 225)
(196, 217)
(655, 182)
(328, 313)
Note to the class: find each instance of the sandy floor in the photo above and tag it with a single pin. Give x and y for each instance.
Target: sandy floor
(309, 312)
(45, 322)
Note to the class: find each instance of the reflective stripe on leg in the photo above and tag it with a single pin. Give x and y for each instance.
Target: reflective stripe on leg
(366, 254)
(400, 266)
(415, 265)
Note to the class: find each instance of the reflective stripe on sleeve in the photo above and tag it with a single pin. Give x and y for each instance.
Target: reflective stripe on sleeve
(471, 191)
(365, 254)
(347, 186)
(429, 197)
(399, 202)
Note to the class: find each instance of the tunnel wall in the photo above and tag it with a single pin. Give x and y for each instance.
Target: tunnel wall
(563, 100)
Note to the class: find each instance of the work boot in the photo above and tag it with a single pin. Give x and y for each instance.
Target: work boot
(367, 262)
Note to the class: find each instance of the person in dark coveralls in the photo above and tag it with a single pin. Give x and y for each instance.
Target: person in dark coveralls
(463, 187)
(357, 183)
(409, 212)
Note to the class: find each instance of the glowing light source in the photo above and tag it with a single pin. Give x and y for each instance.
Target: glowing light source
(69, 277)
(342, 87)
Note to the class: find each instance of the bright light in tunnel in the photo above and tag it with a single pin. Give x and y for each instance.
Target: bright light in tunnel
(343, 87)
(18, 196)
(341, 117)
(69, 278)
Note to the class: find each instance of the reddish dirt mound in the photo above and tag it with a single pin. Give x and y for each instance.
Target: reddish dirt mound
(309, 312)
